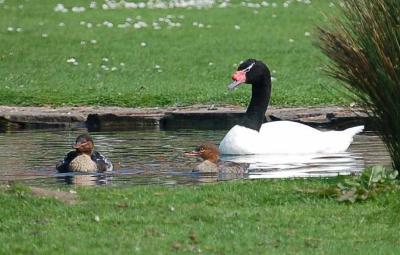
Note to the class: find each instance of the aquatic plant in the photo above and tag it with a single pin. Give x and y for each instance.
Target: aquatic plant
(363, 45)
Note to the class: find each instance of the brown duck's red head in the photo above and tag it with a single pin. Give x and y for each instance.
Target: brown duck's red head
(207, 151)
(84, 144)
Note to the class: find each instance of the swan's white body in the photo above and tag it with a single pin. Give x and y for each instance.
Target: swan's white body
(286, 137)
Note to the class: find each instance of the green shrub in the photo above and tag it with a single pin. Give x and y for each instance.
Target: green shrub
(364, 48)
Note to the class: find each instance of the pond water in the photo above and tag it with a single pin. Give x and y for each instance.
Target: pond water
(156, 157)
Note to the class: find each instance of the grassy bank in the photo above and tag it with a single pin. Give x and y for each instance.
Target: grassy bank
(174, 56)
(249, 217)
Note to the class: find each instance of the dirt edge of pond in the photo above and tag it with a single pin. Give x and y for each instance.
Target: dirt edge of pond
(96, 118)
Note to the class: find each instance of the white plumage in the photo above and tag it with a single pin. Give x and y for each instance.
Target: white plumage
(286, 137)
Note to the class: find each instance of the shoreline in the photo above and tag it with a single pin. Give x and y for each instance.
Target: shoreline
(96, 118)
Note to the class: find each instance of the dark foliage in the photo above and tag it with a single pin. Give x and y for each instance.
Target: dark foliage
(364, 48)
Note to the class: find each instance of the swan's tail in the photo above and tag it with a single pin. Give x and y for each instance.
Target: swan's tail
(354, 130)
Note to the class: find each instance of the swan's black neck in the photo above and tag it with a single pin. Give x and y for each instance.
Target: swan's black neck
(260, 94)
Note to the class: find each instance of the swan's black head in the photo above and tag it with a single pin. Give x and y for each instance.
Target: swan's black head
(251, 71)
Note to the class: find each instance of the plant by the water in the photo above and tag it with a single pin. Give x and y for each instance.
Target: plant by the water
(364, 48)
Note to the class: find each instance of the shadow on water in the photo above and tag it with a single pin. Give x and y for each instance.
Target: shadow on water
(156, 157)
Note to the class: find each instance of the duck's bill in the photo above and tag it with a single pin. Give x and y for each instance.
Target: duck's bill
(192, 154)
(234, 85)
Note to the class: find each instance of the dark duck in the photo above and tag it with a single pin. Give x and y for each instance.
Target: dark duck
(84, 158)
(212, 163)
(252, 136)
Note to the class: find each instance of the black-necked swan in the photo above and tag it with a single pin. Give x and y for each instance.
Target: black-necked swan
(251, 136)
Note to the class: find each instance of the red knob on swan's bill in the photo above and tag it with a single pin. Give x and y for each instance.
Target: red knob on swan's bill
(238, 78)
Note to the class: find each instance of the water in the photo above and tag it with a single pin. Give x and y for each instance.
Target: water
(156, 157)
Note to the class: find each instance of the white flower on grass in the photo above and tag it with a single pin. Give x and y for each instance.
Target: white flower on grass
(143, 44)
(291, 40)
(130, 5)
(93, 41)
(125, 25)
(264, 3)
(72, 61)
(93, 5)
(83, 42)
(122, 64)
(274, 15)
(89, 25)
(44, 35)
(61, 24)
(157, 67)
(105, 59)
(223, 5)
(237, 27)
(210, 63)
(104, 67)
(82, 23)
(108, 24)
(10, 29)
(60, 8)
(89, 64)
(114, 68)
(140, 24)
(18, 29)
(307, 33)
(78, 9)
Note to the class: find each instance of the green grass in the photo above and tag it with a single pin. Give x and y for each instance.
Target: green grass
(243, 217)
(34, 70)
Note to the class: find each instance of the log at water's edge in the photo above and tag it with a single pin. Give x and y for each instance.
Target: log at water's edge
(194, 117)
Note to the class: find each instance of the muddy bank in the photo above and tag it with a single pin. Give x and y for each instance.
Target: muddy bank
(198, 116)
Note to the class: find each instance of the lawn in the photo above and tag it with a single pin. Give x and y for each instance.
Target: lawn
(243, 217)
(53, 54)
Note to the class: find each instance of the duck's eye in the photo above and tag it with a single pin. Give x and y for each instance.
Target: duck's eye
(201, 149)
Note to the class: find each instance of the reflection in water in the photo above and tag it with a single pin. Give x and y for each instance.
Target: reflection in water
(156, 157)
(308, 165)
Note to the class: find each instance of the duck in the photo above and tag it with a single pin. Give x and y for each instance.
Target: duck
(84, 158)
(252, 136)
(212, 164)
